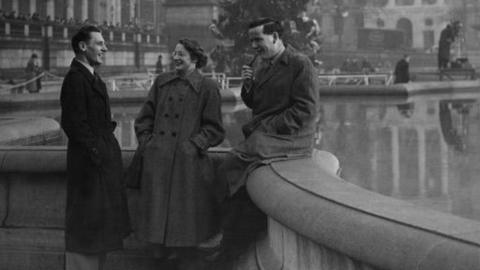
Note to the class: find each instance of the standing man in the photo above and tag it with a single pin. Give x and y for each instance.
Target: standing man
(283, 97)
(402, 73)
(96, 214)
(447, 37)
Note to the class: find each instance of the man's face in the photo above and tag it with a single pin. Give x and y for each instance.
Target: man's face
(94, 49)
(263, 44)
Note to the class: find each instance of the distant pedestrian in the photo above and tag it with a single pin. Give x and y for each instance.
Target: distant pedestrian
(447, 36)
(402, 73)
(159, 65)
(32, 70)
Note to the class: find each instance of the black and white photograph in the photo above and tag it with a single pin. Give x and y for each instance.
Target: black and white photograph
(239, 135)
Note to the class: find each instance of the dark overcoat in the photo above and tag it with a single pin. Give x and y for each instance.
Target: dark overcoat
(179, 121)
(446, 39)
(284, 100)
(96, 215)
(402, 73)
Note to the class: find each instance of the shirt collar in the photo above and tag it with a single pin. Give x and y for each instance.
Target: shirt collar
(86, 65)
(274, 59)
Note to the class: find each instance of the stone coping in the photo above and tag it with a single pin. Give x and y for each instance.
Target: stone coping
(378, 230)
(232, 95)
(45, 159)
(53, 98)
(402, 90)
(369, 227)
(28, 130)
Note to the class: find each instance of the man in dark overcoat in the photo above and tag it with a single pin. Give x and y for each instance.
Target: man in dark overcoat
(402, 70)
(283, 97)
(96, 213)
(446, 39)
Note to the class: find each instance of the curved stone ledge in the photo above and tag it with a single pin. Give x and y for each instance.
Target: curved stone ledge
(316, 219)
(53, 98)
(28, 131)
(401, 90)
(364, 226)
(233, 94)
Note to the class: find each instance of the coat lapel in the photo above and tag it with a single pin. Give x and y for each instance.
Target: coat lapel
(264, 77)
(95, 81)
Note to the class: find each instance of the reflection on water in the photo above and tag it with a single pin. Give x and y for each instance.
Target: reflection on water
(425, 150)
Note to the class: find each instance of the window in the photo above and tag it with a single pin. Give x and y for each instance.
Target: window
(404, 2)
(428, 21)
(429, 2)
(380, 3)
(380, 23)
(428, 39)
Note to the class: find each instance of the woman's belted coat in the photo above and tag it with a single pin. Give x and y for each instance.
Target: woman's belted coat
(179, 121)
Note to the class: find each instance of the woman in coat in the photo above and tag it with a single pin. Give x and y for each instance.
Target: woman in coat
(179, 121)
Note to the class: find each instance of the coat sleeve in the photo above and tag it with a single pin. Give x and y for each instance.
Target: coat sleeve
(304, 98)
(146, 117)
(211, 127)
(73, 100)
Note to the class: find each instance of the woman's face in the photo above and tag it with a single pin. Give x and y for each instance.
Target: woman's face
(182, 60)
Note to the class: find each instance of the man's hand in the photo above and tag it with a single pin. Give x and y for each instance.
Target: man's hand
(247, 73)
(247, 77)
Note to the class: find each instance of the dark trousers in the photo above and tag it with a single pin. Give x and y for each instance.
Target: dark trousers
(442, 62)
(241, 218)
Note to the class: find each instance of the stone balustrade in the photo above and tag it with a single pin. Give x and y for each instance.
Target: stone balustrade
(316, 220)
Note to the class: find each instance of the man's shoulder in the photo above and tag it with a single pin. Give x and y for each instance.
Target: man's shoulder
(297, 58)
(74, 75)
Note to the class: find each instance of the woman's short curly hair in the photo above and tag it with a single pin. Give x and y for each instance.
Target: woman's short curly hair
(196, 52)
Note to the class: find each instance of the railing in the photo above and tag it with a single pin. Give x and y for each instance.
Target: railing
(227, 82)
(355, 79)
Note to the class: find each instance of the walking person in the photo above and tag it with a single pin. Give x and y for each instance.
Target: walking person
(178, 122)
(32, 70)
(283, 97)
(447, 36)
(96, 213)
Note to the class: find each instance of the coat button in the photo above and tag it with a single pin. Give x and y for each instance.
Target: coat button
(177, 115)
(162, 132)
(170, 98)
(180, 99)
(174, 134)
(166, 115)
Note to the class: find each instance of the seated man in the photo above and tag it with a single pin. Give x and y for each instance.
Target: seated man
(283, 96)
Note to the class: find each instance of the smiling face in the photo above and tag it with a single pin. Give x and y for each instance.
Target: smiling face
(263, 44)
(182, 59)
(94, 49)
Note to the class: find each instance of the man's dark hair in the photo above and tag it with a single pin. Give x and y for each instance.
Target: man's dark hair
(196, 52)
(269, 26)
(83, 34)
(34, 55)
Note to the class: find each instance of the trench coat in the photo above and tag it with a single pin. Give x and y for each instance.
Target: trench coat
(96, 211)
(284, 100)
(179, 121)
